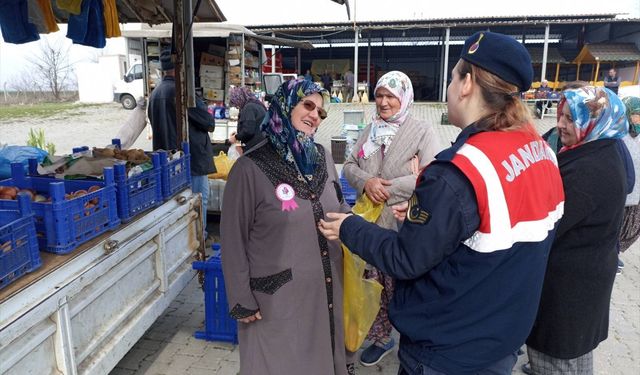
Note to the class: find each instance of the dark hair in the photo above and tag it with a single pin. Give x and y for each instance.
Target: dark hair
(502, 99)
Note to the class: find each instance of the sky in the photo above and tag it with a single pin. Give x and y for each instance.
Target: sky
(13, 58)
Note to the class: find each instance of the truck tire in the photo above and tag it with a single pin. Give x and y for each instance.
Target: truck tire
(128, 101)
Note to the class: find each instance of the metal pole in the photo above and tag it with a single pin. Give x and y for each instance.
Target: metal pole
(543, 74)
(445, 75)
(189, 67)
(355, 61)
(180, 76)
(368, 66)
(273, 55)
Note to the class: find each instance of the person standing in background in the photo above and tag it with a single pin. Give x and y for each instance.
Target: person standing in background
(612, 81)
(348, 86)
(251, 114)
(162, 116)
(380, 166)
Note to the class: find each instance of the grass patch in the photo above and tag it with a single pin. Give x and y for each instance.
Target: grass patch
(38, 110)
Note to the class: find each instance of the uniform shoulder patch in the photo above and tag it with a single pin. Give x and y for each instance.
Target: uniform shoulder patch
(415, 213)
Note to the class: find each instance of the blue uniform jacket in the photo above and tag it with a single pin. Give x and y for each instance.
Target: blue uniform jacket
(457, 310)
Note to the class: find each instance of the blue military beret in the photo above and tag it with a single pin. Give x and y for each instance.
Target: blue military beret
(501, 55)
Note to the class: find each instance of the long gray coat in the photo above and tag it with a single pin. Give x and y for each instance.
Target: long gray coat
(277, 262)
(415, 137)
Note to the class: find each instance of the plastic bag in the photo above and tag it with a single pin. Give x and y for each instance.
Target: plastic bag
(223, 165)
(18, 154)
(361, 296)
(233, 152)
(133, 126)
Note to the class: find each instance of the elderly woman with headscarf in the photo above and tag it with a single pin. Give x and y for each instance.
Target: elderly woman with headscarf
(251, 114)
(283, 278)
(383, 165)
(631, 223)
(573, 316)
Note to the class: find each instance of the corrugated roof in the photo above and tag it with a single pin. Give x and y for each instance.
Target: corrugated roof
(592, 53)
(152, 12)
(553, 55)
(447, 22)
(212, 30)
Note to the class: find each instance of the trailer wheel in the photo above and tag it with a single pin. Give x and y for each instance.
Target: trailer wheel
(128, 101)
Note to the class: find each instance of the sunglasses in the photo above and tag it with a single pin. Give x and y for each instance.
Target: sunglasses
(310, 106)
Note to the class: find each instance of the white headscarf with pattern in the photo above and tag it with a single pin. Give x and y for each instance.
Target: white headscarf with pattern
(382, 132)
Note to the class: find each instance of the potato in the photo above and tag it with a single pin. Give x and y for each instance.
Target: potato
(9, 191)
(5, 247)
(94, 188)
(39, 198)
(6, 197)
(79, 193)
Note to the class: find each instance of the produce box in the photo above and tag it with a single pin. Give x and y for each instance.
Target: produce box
(18, 242)
(175, 172)
(219, 326)
(208, 59)
(138, 191)
(67, 212)
(213, 94)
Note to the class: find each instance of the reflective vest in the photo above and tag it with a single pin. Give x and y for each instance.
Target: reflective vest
(518, 188)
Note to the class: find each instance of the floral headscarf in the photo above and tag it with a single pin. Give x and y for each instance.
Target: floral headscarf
(294, 146)
(632, 103)
(382, 132)
(240, 96)
(597, 113)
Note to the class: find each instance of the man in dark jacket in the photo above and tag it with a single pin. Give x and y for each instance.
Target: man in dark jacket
(162, 115)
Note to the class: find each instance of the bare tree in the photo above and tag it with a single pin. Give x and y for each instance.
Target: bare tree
(52, 67)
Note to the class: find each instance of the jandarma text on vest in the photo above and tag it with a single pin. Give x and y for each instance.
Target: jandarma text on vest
(529, 154)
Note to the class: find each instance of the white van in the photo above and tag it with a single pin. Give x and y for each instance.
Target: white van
(130, 87)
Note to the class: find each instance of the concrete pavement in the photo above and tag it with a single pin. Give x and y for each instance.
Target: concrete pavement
(169, 348)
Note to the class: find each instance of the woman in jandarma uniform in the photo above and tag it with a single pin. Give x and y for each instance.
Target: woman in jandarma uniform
(283, 278)
(470, 257)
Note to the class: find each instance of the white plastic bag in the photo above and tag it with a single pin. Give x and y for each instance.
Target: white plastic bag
(233, 153)
(133, 126)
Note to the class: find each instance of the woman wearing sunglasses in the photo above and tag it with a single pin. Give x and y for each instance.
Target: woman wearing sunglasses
(283, 278)
(384, 165)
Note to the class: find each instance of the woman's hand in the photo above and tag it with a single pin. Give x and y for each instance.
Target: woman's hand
(400, 210)
(415, 165)
(251, 318)
(232, 138)
(331, 229)
(376, 190)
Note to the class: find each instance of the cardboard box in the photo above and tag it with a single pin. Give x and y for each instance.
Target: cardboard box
(212, 83)
(211, 71)
(208, 59)
(216, 50)
(213, 94)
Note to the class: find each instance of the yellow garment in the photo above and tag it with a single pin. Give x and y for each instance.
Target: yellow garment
(71, 6)
(111, 25)
(361, 298)
(47, 15)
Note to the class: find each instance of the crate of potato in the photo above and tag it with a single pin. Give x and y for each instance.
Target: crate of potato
(175, 171)
(18, 242)
(137, 190)
(67, 212)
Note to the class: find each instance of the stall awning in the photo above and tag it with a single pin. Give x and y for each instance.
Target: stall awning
(215, 30)
(152, 12)
(553, 56)
(592, 53)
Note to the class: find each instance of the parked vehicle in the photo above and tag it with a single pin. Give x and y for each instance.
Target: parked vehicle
(130, 87)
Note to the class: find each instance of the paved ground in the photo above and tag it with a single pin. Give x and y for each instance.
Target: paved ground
(169, 347)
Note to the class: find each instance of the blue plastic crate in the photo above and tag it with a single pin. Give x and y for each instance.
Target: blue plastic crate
(348, 192)
(18, 242)
(176, 174)
(218, 325)
(62, 225)
(139, 193)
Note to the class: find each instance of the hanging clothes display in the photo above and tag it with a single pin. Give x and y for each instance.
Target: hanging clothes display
(14, 22)
(87, 28)
(71, 6)
(36, 18)
(47, 15)
(112, 27)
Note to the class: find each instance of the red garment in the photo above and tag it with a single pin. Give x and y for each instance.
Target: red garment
(504, 169)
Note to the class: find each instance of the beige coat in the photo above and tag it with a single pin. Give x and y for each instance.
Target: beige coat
(415, 137)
